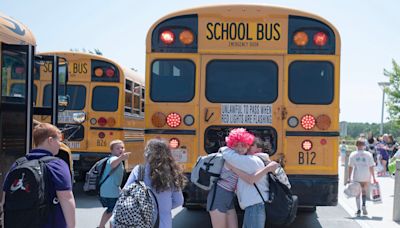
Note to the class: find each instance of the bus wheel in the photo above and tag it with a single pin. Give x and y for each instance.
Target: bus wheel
(307, 209)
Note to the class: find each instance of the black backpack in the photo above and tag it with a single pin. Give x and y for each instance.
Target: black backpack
(27, 200)
(93, 176)
(281, 207)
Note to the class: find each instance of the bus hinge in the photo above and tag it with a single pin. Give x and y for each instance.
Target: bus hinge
(207, 116)
(282, 112)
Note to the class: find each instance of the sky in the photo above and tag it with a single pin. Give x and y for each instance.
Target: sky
(369, 31)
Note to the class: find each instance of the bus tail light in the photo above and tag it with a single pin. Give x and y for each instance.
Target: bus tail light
(102, 121)
(174, 143)
(306, 145)
(188, 120)
(110, 73)
(158, 119)
(111, 121)
(320, 39)
(323, 141)
(186, 37)
(173, 119)
(323, 122)
(93, 121)
(98, 72)
(167, 37)
(308, 122)
(300, 38)
(102, 135)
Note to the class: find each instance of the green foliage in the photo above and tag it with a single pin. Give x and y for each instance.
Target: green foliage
(393, 93)
(355, 129)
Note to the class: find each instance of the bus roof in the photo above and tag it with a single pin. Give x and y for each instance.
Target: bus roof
(129, 73)
(14, 32)
(228, 11)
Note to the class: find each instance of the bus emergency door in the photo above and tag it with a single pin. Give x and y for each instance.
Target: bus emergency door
(240, 91)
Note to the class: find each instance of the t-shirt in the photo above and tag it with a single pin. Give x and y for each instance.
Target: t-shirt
(111, 187)
(361, 161)
(343, 148)
(60, 181)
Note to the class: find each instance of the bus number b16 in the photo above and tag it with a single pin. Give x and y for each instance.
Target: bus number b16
(307, 158)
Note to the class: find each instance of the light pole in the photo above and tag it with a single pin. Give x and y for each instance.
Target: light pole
(382, 85)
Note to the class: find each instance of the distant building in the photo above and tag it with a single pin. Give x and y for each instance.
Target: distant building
(343, 128)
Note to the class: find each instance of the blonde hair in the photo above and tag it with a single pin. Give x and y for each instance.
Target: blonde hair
(114, 142)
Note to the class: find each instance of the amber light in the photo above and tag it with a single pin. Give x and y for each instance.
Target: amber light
(300, 38)
(98, 72)
(306, 145)
(308, 122)
(186, 37)
(320, 39)
(173, 119)
(323, 122)
(174, 143)
(158, 119)
(111, 121)
(167, 37)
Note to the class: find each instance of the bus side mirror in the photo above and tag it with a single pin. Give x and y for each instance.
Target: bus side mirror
(63, 102)
(79, 117)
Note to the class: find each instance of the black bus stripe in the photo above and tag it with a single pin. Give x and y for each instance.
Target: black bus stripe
(313, 133)
(170, 132)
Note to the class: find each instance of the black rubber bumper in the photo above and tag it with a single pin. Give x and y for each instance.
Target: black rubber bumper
(312, 190)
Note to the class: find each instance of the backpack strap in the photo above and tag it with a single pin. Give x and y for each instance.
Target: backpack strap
(141, 178)
(259, 192)
(109, 174)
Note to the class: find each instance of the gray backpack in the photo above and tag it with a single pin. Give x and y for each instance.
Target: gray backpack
(135, 205)
(207, 170)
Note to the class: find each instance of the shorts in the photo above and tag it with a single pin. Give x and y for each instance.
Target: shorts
(223, 201)
(109, 203)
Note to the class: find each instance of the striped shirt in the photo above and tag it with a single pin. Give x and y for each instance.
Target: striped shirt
(228, 180)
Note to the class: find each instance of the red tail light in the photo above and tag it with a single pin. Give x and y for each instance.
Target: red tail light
(102, 135)
(308, 122)
(102, 121)
(306, 145)
(173, 119)
(167, 37)
(110, 72)
(320, 39)
(174, 143)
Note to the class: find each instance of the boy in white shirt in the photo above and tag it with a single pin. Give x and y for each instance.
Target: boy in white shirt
(361, 169)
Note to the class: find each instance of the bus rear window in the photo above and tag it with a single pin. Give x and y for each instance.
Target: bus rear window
(311, 82)
(76, 93)
(241, 81)
(172, 81)
(105, 98)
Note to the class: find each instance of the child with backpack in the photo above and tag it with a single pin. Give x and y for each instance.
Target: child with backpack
(163, 180)
(220, 199)
(111, 179)
(38, 189)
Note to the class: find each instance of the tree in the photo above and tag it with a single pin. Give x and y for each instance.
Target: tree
(393, 93)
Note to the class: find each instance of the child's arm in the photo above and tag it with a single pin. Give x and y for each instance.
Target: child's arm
(253, 178)
(121, 158)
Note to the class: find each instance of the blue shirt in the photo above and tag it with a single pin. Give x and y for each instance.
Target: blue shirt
(167, 200)
(60, 181)
(111, 187)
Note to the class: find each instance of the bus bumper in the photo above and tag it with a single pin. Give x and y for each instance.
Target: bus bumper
(312, 190)
(194, 197)
(315, 190)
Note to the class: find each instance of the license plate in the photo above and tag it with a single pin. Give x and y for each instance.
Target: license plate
(180, 155)
(75, 157)
(73, 145)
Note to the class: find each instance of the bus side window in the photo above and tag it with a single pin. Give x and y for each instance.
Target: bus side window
(128, 96)
(136, 99)
(142, 101)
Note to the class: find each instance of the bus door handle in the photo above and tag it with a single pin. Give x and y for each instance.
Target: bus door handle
(208, 117)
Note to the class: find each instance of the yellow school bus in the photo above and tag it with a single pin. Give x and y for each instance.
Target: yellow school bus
(17, 60)
(111, 98)
(274, 71)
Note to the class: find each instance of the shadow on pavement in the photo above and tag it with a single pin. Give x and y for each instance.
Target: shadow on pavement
(373, 218)
(84, 200)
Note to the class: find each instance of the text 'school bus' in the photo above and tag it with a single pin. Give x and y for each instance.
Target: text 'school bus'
(17, 58)
(274, 71)
(112, 100)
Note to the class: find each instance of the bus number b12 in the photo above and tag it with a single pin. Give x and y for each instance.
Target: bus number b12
(307, 158)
